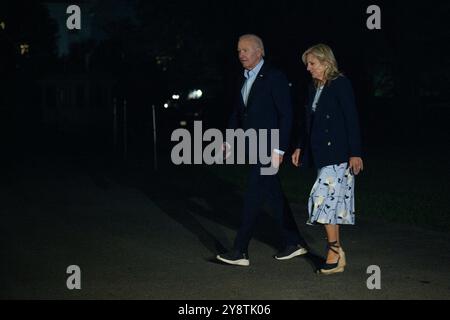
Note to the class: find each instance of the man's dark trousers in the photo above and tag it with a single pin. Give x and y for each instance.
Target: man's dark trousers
(261, 188)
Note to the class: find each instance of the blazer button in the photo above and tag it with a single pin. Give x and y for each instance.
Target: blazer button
(329, 143)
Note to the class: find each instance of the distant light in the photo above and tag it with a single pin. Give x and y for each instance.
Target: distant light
(166, 105)
(176, 97)
(290, 84)
(183, 123)
(195, 94)
(24, 48)
(3, 25)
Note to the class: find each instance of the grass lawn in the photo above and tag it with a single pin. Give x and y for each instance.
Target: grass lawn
(404, 186)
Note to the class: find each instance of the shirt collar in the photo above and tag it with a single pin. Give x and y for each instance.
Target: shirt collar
(254, 71)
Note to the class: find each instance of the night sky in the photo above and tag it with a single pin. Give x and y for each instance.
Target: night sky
(94, 15)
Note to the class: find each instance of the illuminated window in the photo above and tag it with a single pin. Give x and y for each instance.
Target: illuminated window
(24, 48)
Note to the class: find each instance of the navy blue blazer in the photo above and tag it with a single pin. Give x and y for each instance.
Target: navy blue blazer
(269, 105)
(331, 134)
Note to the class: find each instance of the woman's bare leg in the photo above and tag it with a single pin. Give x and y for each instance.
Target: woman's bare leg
(338, 238)
(332, 236)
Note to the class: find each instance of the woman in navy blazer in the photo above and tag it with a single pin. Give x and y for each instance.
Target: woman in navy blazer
(331, 142)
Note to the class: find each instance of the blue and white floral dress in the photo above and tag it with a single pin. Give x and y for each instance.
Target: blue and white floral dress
(332, 198)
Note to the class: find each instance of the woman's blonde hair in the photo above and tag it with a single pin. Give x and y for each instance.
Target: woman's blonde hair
(325, 55)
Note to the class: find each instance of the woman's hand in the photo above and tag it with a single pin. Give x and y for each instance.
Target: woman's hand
(296, 157)
(356, 165)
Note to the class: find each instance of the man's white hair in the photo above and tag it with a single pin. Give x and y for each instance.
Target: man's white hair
(257, 40)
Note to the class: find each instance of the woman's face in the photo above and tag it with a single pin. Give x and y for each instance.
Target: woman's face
(315, 67)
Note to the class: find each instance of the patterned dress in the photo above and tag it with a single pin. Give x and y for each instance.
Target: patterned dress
(332, 197)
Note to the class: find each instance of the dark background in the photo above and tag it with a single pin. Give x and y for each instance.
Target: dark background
(60, 94)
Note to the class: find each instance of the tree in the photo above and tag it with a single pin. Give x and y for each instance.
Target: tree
(28, 51)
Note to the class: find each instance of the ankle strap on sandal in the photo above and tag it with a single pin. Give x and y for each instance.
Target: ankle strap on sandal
(332, 245)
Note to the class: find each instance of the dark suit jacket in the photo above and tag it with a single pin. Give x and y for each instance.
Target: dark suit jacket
(269, 105)
(334, 135)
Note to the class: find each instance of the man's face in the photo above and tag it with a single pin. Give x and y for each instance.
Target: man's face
(249, 53)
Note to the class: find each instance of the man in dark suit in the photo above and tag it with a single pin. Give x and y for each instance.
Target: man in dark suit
(263, 102)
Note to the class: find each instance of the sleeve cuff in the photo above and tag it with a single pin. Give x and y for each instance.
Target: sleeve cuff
(278, 151)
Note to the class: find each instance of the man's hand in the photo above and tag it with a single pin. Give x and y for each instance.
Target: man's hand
(296, 157)
(356, 165)
(226, 150)
(277, 159)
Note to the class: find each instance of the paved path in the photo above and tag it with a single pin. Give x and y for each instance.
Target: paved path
(154, 236)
